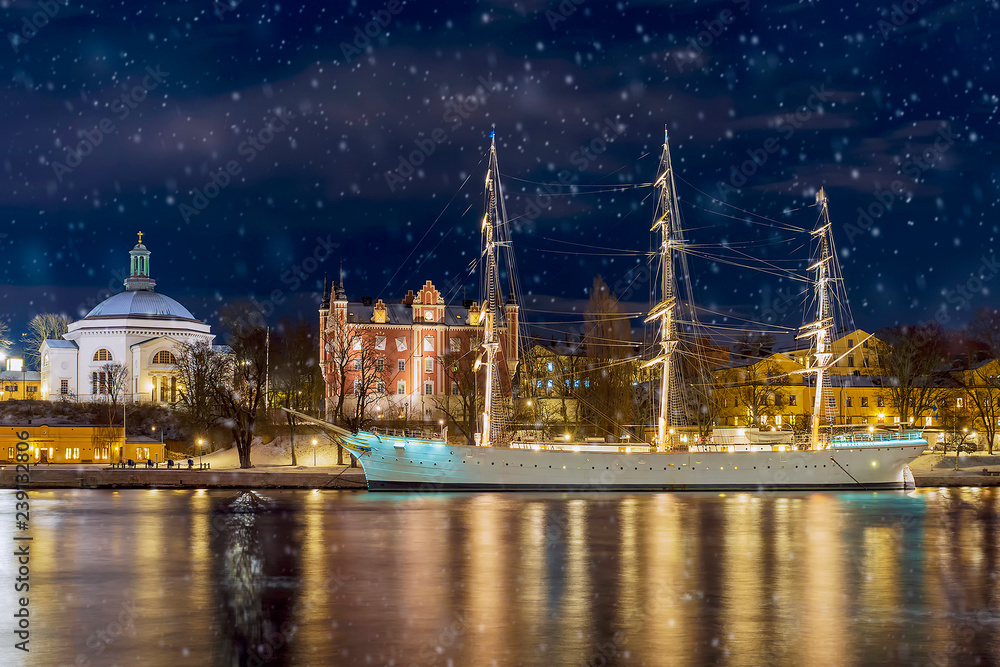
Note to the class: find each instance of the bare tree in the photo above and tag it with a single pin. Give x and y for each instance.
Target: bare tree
(704, 387)
(369, 376)
(757, 388)
(982, 384)
(198, 369)
(339, 341)
(911, 361)
(42, 327)
(239, 395)
(295, 378)
(610, 366)
(461, 402)
(112, 379)
(5, 341)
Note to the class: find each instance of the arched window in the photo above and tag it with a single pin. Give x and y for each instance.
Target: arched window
(164, 357)
(102, 355)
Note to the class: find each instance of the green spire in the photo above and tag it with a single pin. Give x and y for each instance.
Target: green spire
(139, 269)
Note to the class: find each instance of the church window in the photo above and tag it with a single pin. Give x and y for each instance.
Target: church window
(102, 355)
(64, 387)
(164, 357)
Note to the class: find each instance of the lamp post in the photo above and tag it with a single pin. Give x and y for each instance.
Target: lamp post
(201, 452)
(314, 452)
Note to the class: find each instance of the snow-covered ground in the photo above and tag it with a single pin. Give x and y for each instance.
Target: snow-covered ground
(278, 453)
(944, 464)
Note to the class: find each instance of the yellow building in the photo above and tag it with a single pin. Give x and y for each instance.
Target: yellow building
(18, 385)
(76, 444)
(776, 392)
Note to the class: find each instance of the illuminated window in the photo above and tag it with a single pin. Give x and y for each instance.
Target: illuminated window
(428, 364)
(793, 400)
(102, 355)
(549, 367)
(401, 387)
(428, 388)
(69, 452)
(880, 401)
(164, 357)
(864, 401)
(959, 402)
(63, 386)
(927, 421)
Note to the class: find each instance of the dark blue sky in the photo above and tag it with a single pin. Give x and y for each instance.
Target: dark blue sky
(140, 104)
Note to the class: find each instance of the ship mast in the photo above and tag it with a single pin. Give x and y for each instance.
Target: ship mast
(492, 228)
(667, 225)
(820, 329)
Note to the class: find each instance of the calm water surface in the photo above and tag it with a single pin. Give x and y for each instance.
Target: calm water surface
(174, 578)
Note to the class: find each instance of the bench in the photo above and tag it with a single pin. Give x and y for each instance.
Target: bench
(991, 473)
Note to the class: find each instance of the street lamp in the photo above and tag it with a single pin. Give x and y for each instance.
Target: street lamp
(201, 453)
(314, 452)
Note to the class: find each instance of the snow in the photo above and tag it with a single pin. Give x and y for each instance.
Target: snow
(277, 453)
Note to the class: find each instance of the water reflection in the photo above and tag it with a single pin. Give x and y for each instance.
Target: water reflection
(255, 578)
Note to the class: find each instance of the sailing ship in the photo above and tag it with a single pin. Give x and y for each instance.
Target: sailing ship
(500, 461)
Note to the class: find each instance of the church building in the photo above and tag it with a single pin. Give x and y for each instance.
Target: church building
(126, 345)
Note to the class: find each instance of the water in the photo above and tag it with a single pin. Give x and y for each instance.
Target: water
(174, 578)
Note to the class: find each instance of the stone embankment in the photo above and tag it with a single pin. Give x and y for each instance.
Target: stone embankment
(67, 477)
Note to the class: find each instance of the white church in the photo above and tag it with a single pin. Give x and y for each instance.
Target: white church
(138, 328)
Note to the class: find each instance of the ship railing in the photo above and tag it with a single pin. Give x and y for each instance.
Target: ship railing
(419, 434)
(862, 439)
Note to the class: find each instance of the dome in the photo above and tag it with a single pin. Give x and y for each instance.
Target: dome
(140, 303)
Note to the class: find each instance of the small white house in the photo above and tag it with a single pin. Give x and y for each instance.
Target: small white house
(138, 328)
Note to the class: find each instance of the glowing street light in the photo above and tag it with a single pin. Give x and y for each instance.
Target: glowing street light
(201, 452)
(314, 452)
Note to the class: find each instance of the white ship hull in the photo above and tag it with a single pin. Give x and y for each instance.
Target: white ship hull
(395, 463)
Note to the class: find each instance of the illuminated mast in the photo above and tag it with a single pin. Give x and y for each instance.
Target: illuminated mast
(492, 300)
(821, 328)
(667, 224)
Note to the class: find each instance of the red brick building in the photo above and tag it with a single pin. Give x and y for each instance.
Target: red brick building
(410, 336)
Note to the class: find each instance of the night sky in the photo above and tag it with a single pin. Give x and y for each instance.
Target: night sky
(252, 141)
